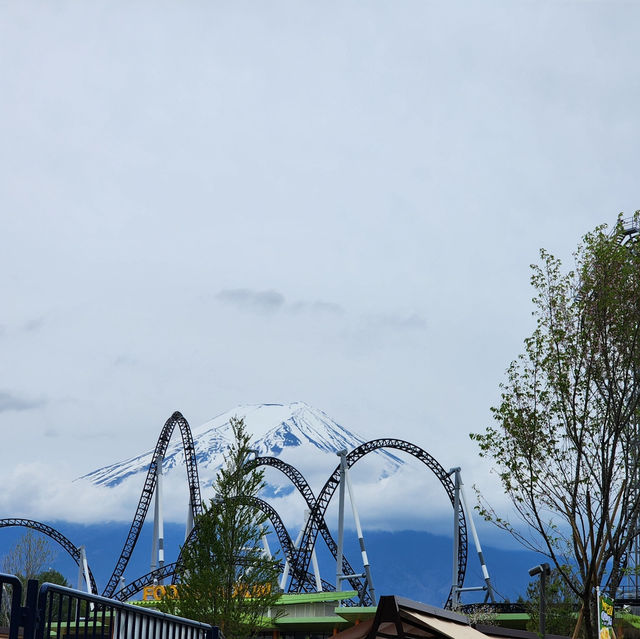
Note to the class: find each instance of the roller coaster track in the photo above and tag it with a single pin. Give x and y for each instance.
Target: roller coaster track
(54, 534)
(149, 488)
(305, 490)
(171, 570)
(155, 576)
(284, 538)
(303, 554)
(278, 526)
(299, 558)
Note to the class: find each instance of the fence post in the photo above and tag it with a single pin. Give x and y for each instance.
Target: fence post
(30, 616)
(15, 606)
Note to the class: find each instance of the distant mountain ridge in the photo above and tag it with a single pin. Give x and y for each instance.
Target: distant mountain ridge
(294, 432)
(414, 564)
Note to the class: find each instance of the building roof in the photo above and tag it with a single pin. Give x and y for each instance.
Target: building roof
(399, 618)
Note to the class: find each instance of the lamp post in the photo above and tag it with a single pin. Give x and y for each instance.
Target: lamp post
(543, 570)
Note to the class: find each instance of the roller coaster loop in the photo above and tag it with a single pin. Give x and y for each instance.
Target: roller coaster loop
(299, 558)
(303, 553)
(54, 534)
(170, 570)
(305, 490)
(149, 488)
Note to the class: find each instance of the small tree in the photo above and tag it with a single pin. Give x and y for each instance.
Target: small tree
(29, 557)
(566, 444)
(560, 600)
(59, 606)
(225, 579)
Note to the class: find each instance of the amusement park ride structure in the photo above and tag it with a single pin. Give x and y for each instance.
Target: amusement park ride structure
(298, 554)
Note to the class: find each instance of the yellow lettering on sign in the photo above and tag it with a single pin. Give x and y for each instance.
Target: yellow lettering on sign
(147, 593)
(157, 593)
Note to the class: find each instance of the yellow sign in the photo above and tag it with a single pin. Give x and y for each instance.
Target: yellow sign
(156, 593)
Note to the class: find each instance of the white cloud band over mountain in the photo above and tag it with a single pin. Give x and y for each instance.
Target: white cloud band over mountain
(392, 489)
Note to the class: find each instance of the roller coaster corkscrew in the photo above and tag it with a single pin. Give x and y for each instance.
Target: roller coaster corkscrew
(298, 555)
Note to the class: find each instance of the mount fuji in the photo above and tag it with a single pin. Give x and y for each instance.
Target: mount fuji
(297, 433)
(403, 508)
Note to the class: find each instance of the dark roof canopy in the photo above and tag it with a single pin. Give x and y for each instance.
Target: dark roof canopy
(399, 618)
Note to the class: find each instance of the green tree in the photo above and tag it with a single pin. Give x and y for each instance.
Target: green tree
(225, 579)
(52, 576)
(566, 442)
(60, 605)
(560, 610)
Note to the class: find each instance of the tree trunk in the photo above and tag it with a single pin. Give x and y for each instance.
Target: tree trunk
(590, 616)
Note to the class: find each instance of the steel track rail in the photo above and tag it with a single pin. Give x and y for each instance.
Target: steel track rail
(280, 529)
(303, 554)
(149, 487)
(301, 484)
(54, 534)
(302, 580)
(149, 579)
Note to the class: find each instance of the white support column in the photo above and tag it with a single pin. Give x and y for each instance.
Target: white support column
(363, 550)
(455, 593)
(314, 556)
(460, 506)
(189, 526)
(265, 547)
(343, 464)
(476, 541)
(316, 570)
(159, 503)
(157, 543)
(296, 544)
(84, 581)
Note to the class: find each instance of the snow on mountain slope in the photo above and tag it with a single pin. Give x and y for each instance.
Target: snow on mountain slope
(301, 435)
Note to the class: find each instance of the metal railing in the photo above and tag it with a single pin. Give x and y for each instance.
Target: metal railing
(10, 600)
(56, 612)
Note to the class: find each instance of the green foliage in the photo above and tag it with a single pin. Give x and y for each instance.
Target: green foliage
(52, 576)
(61, 608)
(561, 605)
(627, 625)
(565, 438)
(225, 579)
(482, 615)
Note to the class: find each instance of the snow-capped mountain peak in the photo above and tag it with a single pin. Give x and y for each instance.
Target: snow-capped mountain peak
(295, 432)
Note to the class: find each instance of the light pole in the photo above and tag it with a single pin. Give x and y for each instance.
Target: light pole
(543, 570)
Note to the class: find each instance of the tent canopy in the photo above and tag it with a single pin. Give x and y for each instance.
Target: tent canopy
(399, 618)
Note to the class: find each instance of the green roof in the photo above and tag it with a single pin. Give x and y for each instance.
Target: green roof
(302, 621)
(313, 597)
(351, 613)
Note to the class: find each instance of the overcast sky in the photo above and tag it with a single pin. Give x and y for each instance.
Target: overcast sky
(207, 204)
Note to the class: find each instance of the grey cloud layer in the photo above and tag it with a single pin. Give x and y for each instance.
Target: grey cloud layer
(247, 299)
(400, 322)
(271, 301)
(9, 402)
